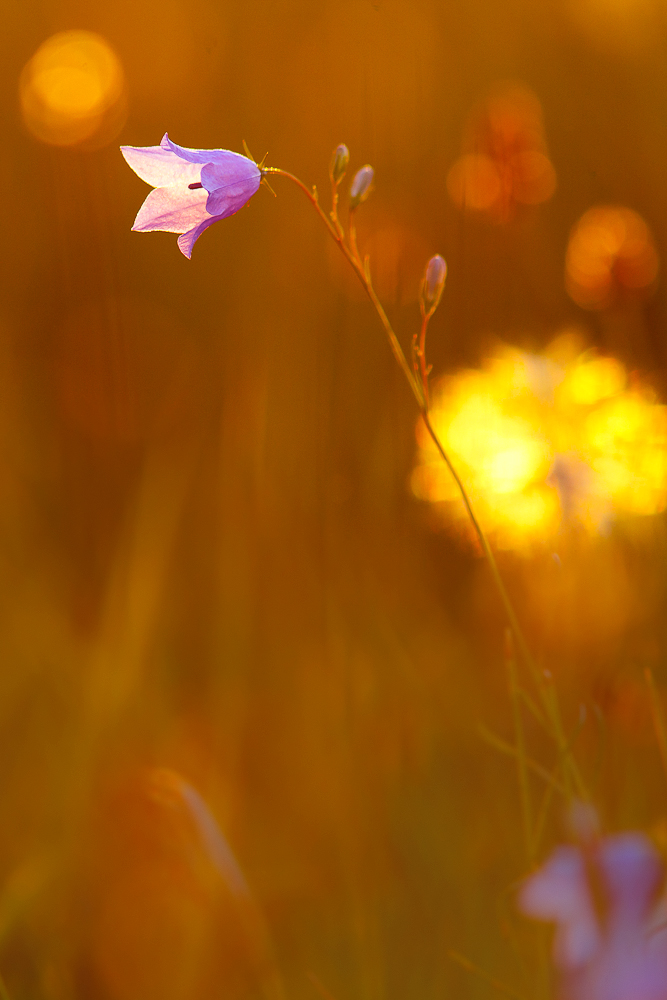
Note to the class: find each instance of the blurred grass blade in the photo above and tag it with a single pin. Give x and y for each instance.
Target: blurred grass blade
(469, 966)
(533, 708)
(500, 744)
(521, 759)
(658, 717)
(542, 814)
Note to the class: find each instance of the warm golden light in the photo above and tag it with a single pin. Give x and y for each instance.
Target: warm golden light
(474, 182)
(69, 88)
(545, 441)
(504, 162)
(610, 257)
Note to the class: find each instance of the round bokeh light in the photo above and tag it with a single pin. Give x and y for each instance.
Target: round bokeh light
(72, 90)
(544, 442)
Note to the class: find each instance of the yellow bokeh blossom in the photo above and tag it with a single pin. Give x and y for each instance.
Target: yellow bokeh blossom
(545, 442)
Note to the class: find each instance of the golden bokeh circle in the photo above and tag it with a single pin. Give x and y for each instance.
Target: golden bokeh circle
(72, 89)
(611, 257)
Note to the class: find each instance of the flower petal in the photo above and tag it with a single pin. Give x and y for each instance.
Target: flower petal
(224, 157)
(161, 166)
(559, 891)
(188, 240)
(172, 209)
(226, 181)
(631, 870)
(230, 185)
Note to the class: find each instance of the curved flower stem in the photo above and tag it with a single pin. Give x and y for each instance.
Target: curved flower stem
(393, 340)
(488, 552)
(333, 214)
(362, 272)
(420, 392)
(421, 353)
(352, 229)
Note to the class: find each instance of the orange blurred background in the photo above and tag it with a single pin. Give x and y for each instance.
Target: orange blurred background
(213, 565)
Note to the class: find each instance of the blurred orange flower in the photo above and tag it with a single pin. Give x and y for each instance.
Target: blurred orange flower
(504, 163)
(610, 257)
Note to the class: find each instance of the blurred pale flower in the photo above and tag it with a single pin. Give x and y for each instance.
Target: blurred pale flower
(608, 943)
(193, 187)
(546, 441)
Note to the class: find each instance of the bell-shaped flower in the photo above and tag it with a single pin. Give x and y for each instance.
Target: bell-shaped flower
(607, 945)
(193, 187)
(559, 892)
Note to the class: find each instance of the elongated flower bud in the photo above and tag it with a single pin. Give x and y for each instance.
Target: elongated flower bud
(362, 185)
(433, 283)
(339, 162)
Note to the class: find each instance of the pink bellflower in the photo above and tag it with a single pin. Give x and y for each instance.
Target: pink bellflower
(193, 187)
(611, 940)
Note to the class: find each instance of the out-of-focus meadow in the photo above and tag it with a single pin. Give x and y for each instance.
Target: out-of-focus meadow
(219, 563)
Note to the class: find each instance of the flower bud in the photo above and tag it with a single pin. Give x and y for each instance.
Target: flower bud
(339, 162)
(433, 283)
(361, 186)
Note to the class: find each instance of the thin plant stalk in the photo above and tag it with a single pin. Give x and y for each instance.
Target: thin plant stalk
(542, 815)
(362, 270)
(419, 388)
(357, 266)
(550, 779)
(572, 777)
(419, 357)
(4, 992)
(658, 717)
(469, 966)
(520, 740)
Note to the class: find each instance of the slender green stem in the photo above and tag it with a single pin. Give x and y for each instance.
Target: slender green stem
(420, 392)
(572, 777)
(521, 756)
(393, 340)
(421, 354)
(352, 230)
(333, 214)
(504, 747)
(658, 718)
(486, 548)
(469, 966)
(564, 755)
(534, 710)
(542, 814)
(361, 271)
